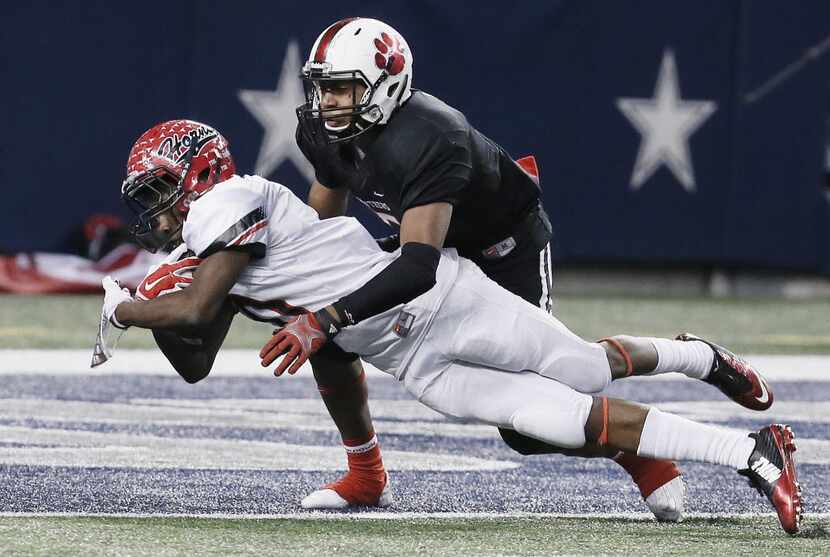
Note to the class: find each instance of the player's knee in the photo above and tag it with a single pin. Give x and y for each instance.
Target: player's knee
(523, 444)
(560, 429)
(596, 378)
(580, 370)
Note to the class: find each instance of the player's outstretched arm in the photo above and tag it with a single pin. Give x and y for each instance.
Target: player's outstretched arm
(193, 307)
(193, 352)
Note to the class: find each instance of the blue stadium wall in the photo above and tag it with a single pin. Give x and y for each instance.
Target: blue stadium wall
(738, 179)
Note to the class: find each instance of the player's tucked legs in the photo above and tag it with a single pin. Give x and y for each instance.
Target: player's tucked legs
(560, 416)
(765, 457)
(659, 481)
(343, 388)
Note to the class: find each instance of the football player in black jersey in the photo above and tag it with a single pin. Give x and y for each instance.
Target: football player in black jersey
(418, 164)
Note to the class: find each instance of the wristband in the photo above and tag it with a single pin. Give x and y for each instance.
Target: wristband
(328, 324)
(114, 320)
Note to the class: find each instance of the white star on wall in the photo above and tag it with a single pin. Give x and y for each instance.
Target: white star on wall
(275, 110)
(665, 122)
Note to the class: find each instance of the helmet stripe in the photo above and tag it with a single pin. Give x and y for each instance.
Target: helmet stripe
(328, 35)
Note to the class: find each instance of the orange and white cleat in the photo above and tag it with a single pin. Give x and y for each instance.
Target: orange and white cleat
(660, 483)
(349, 492)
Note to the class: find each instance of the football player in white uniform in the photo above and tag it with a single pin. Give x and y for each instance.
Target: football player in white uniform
(465, 347)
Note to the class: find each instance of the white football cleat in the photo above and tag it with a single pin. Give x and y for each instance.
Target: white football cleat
(668, 501)
(328, 499)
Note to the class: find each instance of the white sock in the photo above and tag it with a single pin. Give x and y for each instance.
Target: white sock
(691, 358)
(674, 438)
(362, 448)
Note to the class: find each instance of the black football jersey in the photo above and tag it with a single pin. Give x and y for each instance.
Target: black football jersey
(429, 153)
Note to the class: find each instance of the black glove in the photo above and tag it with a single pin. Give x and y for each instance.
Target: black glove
(330, 167)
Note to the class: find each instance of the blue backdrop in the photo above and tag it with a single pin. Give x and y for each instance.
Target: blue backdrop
(662, 131)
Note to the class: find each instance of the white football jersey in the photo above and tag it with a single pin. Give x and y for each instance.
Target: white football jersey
(299, 261)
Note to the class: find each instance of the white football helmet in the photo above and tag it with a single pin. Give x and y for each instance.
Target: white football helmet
(358, 50)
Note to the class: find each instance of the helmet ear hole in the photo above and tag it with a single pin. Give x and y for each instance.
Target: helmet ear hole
(204, 175)
(391, 90)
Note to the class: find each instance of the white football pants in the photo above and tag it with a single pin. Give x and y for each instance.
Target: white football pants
(487, 355)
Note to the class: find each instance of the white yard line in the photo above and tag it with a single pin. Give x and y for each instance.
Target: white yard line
(245, 363)
(646, 517)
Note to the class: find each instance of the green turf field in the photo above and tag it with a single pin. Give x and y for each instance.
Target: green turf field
(767, 325)
(759, 326)
(428, 537)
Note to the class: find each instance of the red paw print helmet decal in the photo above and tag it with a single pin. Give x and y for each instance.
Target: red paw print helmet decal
(389, 55)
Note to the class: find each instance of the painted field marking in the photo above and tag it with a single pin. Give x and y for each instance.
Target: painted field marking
(386, 515)
(54, 445)
(92, 449)
(245, 363)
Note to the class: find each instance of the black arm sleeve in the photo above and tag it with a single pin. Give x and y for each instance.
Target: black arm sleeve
(406, 278)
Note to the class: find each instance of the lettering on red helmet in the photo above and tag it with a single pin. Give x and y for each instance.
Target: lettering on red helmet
(176, 147)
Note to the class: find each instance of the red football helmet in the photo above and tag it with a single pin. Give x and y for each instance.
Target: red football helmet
(171, 165)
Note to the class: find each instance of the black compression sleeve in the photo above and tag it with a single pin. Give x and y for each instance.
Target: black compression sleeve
(406, 278)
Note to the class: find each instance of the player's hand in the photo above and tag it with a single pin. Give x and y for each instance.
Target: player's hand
(329, 166)
(166, 278)
(311, 133)
(299, 338)
(114, 296)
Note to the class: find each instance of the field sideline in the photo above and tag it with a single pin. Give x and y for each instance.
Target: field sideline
(129, 460)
